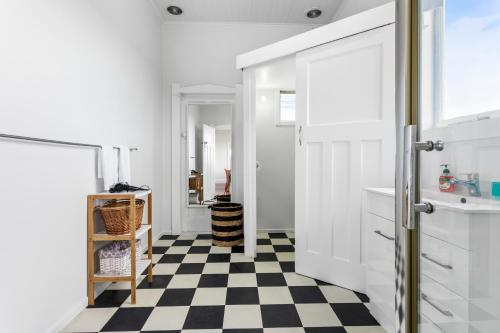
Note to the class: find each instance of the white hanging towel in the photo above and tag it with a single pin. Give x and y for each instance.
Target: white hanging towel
(108, 166)
(124, 165)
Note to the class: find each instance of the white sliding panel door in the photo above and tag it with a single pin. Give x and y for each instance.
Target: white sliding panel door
(208, 162)
(345, 142)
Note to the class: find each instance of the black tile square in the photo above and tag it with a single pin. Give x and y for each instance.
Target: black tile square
(283, 248)
(159, 249)
(287, 266)
(354, 314)
(266, 257)
(159, 282)
(204, 236)
(183, 242)
(277, 235)
(199, 249)
(336, 329)
(127, 319)
(307, 294)
(238, 249)
(292, 240)
(213, 280)
(169, 237)
(244, 330)
(171, 259)
(271, 280)
(364, 298)
(190, 269)
(176, 297)
(246, 295)
(282, 315)
(111, 298)
(242, 267)
(264, 241)
(204, 317)
(219, 257)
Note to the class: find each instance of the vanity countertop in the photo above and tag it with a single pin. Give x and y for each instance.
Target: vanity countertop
(387, 191)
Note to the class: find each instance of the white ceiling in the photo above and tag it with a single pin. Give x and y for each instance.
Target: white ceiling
(263, 11)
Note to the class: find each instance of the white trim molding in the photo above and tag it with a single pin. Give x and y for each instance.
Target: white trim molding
(349, 26)
(198, 94)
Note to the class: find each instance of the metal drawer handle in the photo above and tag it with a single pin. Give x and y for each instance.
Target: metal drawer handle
(378, 232)
(435, 306)
(426, 256)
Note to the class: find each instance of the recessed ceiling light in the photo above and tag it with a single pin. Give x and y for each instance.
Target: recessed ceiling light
(174, 10)
(314, 13)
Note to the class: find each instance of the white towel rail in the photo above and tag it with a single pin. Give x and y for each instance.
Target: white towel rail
(57, 142)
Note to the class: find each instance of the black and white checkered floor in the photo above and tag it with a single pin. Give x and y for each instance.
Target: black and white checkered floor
(202, 288)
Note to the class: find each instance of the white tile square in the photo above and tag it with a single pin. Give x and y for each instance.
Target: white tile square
(267, 267)
(334, 294)
(164, 242)
(156, 257)
(166, 318)
(280, 241)
(201, 331)
(239, 316)
(265, 249)
(145, 298)
(195, 258)
(202, 242)
(90, 320)
(209, 296)
(294, 279)
(187, 236)
(275, 295)
(178, 250)
(216, 268)
(317, 315)
(165, 269)
(242, 280)
(262, 235)
(240, 257)
(364, 329)
(290, 234)
(220, 249)
(184, 281)
(285, 256)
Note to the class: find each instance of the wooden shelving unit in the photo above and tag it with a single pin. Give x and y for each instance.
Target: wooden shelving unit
(137, 265)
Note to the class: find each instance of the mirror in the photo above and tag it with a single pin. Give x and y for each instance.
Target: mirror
(209, 153)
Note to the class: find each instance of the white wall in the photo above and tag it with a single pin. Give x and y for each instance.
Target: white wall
(82, 70)
(276, 156)
(222, 154)
(351, 7)
(199, 53)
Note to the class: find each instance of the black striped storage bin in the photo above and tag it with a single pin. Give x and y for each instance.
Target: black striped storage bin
(227, 222)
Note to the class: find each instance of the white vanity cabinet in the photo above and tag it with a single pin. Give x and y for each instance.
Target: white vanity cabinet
(379, 255)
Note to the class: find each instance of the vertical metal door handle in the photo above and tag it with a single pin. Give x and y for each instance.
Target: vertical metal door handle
(435, 306)
(300, 135)
(411, 149)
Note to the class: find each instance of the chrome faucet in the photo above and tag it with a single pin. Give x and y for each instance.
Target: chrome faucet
(471, 182)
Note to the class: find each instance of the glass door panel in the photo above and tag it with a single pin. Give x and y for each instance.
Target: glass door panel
(459, 96)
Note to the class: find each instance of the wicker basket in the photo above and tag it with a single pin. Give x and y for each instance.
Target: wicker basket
(115, 214)
(227, 224)
(114, 258)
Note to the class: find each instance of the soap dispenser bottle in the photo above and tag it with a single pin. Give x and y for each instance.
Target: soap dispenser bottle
(446, 183)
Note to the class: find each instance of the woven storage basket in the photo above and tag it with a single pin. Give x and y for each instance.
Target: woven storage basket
(114, 258)
(115, 214)
(227, 224)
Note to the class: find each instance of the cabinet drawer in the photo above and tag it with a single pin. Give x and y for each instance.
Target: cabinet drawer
(381, 205)
(445, 263)
(446, 225)
(442, 305)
